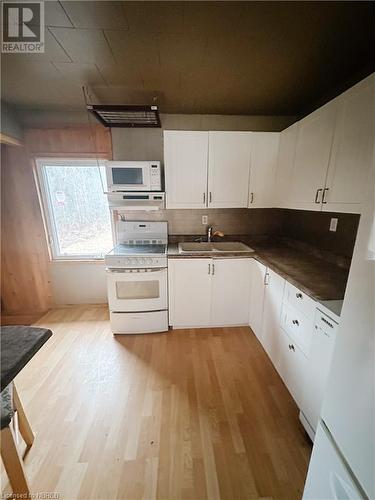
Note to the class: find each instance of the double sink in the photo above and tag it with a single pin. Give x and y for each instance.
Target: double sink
(211, 247)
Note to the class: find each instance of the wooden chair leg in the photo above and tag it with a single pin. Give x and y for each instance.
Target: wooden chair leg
(23, 423)
(13, 464)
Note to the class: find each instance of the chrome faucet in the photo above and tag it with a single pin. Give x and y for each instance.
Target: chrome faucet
(211, 234)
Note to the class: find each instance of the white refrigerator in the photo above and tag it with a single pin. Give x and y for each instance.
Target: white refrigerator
(342, 464)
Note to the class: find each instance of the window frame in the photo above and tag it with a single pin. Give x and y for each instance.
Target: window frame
(47, 208)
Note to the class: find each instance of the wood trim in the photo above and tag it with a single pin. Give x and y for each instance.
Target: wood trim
(76, 141)
(9, 141)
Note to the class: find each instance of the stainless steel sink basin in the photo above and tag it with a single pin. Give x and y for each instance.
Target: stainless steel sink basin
(205, 247)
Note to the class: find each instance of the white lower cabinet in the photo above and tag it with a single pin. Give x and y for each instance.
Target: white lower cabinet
(257, 279)
(271, 327)
(189, 292)
(208, 292)
(230, 291)
(292, 366)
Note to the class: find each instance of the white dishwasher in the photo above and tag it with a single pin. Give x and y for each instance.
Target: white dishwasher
(317, 370)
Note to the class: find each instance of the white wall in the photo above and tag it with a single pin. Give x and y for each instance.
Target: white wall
(78, 282)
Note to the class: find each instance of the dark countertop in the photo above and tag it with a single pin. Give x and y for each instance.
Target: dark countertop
(318, 278)
(18, 345)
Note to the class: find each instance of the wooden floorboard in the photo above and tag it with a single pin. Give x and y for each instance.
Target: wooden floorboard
(191, 414)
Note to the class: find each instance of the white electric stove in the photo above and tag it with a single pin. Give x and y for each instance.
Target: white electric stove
(137, 278)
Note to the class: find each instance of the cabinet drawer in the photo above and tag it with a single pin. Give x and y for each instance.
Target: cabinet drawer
(298, 326)
(299, 300)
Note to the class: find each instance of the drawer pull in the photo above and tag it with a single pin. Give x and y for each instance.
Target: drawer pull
(291, 347)
(299, 295)
(295, 322)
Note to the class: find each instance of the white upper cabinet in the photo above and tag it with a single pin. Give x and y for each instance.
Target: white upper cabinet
(228, 169)
(352, 148)
(285, 165)
(185, 163)
(313, 150)
(263, 165)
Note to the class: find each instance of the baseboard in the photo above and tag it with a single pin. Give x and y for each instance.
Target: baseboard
(12, 318)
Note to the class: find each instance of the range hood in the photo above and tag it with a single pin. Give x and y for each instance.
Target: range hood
(113, 115)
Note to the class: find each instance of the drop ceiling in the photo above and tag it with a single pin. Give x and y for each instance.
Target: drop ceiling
(256, 58)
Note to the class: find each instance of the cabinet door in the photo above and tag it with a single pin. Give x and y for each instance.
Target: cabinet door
(314, 143)
(285, 165)
(189, 292)
(228, 169)
(352, 149)
(292, 367)
(271, 329)
(257, 276)
(185, 164)
(264, 152)
(230, 291)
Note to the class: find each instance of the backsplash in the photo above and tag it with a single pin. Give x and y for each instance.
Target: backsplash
(310, 229)
(229, 220)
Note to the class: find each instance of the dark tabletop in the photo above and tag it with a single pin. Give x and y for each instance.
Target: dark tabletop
(18, 345)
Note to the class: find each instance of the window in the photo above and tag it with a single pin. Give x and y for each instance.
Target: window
(76, 208)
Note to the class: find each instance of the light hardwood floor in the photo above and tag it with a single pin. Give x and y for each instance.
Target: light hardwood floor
(191, 414)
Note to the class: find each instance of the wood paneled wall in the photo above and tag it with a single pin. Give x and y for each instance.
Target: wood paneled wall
(77, 141)
(25, 284)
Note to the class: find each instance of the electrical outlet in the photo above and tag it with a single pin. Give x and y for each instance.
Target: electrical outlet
(205, 220)
(333, 224)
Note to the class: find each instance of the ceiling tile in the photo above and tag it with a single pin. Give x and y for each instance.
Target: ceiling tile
(155, 17)
(213, 18)
(123, 95)
(84, 45)
(82, 73)
(137, 49)
(100, 14)
(124, 74)
(54, 15)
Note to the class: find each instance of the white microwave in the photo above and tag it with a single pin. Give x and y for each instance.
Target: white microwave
(133, 176)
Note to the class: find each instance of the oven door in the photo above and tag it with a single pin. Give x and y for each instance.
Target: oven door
(128, 177)
(138, 290)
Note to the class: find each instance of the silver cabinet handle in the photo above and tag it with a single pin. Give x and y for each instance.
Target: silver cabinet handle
(299, 295)
(252, 198)
(204, 198)
(209, 268)
(266, 280)
(317, 195)
(291, 347)
(210, 197)
(295, 322)
(213, 269)
(325, 190)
